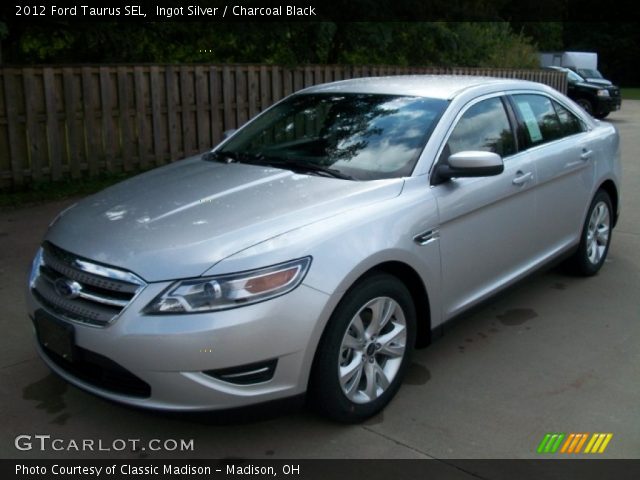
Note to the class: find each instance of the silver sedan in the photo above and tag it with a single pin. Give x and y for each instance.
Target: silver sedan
(315, 247)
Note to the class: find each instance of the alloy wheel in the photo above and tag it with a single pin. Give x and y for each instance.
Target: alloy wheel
(372, 350)
(598, 232)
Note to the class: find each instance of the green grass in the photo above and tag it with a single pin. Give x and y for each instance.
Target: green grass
(630, 93)
(49, 191)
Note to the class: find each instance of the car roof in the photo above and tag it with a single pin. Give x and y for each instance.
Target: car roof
(443, 87)
(556, 67)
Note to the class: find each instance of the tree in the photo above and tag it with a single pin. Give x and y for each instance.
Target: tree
(484, 44)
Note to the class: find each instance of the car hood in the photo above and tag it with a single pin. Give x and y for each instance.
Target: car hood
(597, 85)
(178, 221)
(599, 81)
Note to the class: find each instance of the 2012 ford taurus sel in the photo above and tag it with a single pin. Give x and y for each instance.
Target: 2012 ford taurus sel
(316, 246)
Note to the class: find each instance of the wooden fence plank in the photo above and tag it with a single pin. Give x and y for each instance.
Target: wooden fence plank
(106, 101)
(264, 87)
(139, 88)
(241, 96)
(337, 73)
(126, 128)
(10, 98)
(297, 79)
(73, 125)
(159, 138)
(318, 75)
(91, 133)
(37, 148)
(308, 76)
(287, 81)
(186, 100)
(214, 99)
(252, 91)
(53, 129)
(172, 120)
(202, 119)
(276, 85)
(227, 92)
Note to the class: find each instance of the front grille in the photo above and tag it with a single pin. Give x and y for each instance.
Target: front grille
(101, 372)
(80, 290)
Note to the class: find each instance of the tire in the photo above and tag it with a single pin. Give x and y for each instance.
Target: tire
(603, 115)
(586, 105)
(596, 236)
(355, 372)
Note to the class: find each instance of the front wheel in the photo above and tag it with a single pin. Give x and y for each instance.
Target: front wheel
(365, 350)
(586, 105)
(596, 236)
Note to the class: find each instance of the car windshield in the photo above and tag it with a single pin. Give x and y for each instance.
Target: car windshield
(589, 73)
(573, 76)
(346, 135)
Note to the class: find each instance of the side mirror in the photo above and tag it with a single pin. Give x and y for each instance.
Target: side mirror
(227, 133)
(471, 164)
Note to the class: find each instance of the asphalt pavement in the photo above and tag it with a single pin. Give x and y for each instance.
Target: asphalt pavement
(555, 353)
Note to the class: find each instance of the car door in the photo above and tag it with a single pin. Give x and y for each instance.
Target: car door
(561, 148)
(486, 223)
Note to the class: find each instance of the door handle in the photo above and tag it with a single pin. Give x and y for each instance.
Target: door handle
(586, 154)
(522, 178)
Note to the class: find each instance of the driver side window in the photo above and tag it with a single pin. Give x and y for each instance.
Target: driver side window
(484, 126)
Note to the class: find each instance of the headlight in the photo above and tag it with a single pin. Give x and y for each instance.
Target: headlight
(603, 93)
(222, 292)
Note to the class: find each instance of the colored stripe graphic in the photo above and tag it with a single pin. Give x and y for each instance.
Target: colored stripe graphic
(565, 447)
(598, 443)
(572, 443)
(550, 443)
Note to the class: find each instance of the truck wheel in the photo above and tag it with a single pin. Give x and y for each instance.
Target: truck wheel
(586, 105)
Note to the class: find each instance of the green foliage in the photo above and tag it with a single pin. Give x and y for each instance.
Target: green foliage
(546, 36)
(484, 44)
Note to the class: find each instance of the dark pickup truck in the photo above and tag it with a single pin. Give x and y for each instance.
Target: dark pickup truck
(597, 99)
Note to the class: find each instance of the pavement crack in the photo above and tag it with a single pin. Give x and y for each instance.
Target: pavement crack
(4, 367)
(398, 442)
(417, 450)
(467, 472)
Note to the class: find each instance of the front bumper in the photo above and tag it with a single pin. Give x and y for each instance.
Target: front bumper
(170, 353)
(608, 104)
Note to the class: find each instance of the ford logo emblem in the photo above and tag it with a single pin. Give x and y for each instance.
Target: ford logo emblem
(67, 288)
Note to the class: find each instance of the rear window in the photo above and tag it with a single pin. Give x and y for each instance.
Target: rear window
(546, 120)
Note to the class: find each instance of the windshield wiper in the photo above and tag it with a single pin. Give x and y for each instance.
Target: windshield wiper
(304, 167)
(233, 157)
(260, 159)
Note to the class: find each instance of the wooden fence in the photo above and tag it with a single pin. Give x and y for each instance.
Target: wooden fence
(67, 122)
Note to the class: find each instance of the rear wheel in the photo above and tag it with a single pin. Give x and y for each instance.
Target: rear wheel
(596, 236)
(365, 350)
